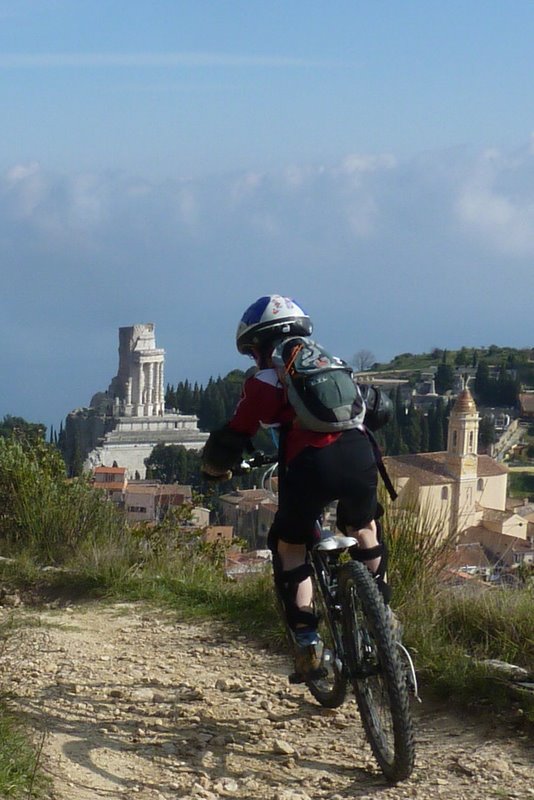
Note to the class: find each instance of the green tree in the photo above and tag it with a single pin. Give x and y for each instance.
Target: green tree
(76, 469)
(170, 397)
(412, 430)
(425, 434)
(482, 381)
(174, 464)
(486, 431)
(21, 430)
(461, 358)
(436, 428)
(444, 375)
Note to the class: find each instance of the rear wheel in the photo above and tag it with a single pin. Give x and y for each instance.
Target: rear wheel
(376, 673)
(330, 686)
(330, 689)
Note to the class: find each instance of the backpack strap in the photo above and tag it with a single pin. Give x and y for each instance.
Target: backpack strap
(380, 465)
(294, 353)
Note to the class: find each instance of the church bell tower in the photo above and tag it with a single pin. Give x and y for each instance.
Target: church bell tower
(462, 459)
(462, 442)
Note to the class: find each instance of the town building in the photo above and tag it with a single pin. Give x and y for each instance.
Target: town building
(218, 533)
(112, 481)
(147, 501)
(526, 405)
(250, 512)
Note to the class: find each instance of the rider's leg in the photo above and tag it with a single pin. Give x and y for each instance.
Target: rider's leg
(367, 538)
(292, 534)
(292, 578)
(293, 558)
(372, 551)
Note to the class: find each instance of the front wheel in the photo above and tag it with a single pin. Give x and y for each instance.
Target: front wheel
(376, 673)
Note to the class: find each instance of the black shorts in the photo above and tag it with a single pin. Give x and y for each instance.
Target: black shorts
(344, 471)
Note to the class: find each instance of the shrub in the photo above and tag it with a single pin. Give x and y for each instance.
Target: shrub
(46, 515)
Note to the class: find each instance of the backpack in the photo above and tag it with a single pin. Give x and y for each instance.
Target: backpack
(319, 386)
(378, 407)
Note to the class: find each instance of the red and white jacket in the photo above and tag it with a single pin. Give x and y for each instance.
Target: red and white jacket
(264, 403)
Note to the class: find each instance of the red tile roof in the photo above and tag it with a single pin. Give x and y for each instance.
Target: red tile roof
(526, 400)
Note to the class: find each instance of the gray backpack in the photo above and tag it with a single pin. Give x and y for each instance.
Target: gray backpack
(319, 386)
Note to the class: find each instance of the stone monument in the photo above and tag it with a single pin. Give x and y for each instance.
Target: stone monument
(138, 389)
(123, 425)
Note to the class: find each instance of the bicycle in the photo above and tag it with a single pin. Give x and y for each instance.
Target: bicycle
(358, 647)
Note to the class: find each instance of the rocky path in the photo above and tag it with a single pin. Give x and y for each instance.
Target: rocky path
(131, 704)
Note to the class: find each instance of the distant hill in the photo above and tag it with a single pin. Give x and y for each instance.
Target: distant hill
(521, 360)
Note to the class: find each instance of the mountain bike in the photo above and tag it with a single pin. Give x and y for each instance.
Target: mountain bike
(359, 648)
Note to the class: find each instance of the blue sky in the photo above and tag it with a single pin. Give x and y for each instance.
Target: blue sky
(172, 161)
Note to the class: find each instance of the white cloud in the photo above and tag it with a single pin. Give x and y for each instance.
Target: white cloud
(368, 237)
(491, 197)
(18, 172)
(496, 203)
(245, 186)
(25, 187)
(357, 163)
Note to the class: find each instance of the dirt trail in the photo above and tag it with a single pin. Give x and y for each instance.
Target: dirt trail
(135, 705)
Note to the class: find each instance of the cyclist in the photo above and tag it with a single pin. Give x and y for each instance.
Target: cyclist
(315, 469)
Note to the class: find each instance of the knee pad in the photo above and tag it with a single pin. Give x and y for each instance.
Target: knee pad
(287, 583)
(368, 554)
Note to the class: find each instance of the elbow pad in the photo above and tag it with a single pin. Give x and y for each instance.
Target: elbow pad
(224, 448)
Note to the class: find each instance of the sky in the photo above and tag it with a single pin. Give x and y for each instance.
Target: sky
(170, 162)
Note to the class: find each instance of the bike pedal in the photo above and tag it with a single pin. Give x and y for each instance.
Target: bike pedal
(296, 677)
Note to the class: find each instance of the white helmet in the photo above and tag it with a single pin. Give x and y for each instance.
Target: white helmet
(269, 318)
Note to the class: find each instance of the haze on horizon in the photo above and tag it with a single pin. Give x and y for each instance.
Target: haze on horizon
(170, 162)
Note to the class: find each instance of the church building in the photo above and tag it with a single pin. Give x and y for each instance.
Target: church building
(461, 490)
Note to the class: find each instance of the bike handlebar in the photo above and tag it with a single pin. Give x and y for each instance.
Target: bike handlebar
(257, 459)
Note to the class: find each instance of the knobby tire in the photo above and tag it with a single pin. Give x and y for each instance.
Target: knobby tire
(376, 673)
(330, 691)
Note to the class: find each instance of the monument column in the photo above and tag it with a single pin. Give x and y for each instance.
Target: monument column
(141, 390)
(150, 390)
(128, 404)
(160, 387)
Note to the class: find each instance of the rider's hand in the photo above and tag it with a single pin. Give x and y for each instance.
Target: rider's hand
(211, 473)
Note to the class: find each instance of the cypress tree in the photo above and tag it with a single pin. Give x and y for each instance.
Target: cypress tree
(425, 435)
(411, 431)
(436, 440)
(482, 381)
